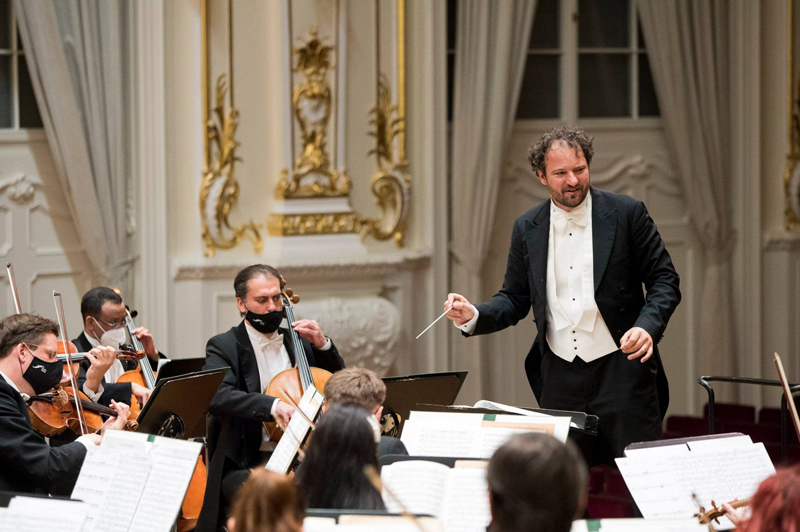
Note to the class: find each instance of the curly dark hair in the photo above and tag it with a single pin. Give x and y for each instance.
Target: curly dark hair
(570, 135)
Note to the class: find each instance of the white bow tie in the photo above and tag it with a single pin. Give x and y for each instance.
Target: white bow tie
(560, 218)
(275, 342)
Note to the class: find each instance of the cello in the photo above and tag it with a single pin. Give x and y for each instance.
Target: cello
(143, 374)
(290, 385)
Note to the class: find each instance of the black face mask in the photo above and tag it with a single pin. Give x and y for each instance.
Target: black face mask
(264, 323)
(43, 375)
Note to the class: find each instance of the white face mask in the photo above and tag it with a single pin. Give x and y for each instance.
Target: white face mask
(113, 337)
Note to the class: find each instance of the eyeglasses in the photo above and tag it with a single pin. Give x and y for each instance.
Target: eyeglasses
(51, 353)
(113, 325)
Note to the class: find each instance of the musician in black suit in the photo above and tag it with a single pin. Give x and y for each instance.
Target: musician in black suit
(362, 387)
(255, 351)
(580, 260)
(103, 314)
(28, 367)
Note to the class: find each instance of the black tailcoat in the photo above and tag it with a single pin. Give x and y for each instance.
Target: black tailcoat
(240, 406)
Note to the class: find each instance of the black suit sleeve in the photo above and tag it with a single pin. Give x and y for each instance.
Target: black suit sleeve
(120, 392)
(230, 400)
(24, 454)
(513, 301)
(329, 360)
(656, 272)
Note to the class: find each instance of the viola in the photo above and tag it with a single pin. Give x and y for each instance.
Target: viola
(290, 385)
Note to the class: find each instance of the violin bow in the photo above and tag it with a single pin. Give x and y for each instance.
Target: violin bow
(12, 281)
(787, 392)
(62, 325)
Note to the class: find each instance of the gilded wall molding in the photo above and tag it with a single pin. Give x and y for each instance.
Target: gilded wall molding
(312, 175)
(219, 184)
(335, 223)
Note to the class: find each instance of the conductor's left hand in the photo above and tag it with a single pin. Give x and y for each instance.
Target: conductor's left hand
(309, 329)
(637, 342)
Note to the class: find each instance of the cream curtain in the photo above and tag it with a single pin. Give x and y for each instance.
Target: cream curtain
(491, 48)
(76, 52)
(688, 48)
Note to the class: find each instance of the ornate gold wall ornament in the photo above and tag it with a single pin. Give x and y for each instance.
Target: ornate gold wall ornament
(219, 180)
(335, 223)
(312, 176)
(391, 185)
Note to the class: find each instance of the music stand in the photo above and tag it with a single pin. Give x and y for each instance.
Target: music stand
(403, 394)
(177, 404)
(181, 366)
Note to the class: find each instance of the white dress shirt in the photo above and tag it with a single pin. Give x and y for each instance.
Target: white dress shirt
(271, 358)
(575, 326)
(83, 440)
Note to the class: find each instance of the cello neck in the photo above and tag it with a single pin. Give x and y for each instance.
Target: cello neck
(306, 379)
(144, 363)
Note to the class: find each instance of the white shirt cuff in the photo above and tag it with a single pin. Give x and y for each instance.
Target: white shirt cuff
(327, 345)
(469, 327)
(89, 444)
(94, 396)
(274, 407)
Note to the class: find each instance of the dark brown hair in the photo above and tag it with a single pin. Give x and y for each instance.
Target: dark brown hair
(536, 483)
(23, 329)
(251, 272)
(268, 502)
(92, 301)
(358, 386)
(573, 137)
(332, 473)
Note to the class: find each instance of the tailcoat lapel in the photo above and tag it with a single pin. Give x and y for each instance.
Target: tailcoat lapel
(604, 230)
(247, 359)
(537, 236)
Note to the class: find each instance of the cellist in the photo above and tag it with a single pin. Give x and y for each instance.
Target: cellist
(103, 314)
(29, 366)
(256, 350)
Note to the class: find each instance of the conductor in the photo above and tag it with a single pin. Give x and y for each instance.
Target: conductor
(580, 260)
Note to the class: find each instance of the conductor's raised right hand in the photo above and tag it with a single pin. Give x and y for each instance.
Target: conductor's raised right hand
(461, 312)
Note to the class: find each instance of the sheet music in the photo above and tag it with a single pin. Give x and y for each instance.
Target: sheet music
(718, 443)
(467, 504)
(173, 463)
(459, 497)
(392, 523)
(663, 485)
(131, 471)
(639, 525)
(35, 514)
(419, 484)
(286, 450)
(654, 488)
(471, 435)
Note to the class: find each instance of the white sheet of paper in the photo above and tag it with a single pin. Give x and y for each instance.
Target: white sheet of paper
(286, 450)
(719, 443)
(173, 462)
(36, 514)
(468, 435)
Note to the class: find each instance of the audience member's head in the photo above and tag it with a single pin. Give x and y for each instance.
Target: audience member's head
(267, 502)
(776, 505)
(537, 484)
(332, 472)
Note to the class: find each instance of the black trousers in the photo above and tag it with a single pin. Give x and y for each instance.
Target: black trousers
(620, 392)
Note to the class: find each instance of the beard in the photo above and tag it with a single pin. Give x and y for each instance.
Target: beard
(571, 197)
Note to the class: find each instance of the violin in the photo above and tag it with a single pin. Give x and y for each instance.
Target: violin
(290, 385)
(707, 516)
(54, 412)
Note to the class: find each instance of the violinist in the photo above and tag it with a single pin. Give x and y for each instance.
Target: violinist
(255, 351)
(103, 314)
(28, 367)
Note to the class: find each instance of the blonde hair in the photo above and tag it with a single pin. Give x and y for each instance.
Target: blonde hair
(268, 502)
(358, 386)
